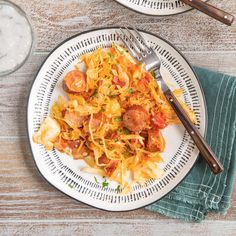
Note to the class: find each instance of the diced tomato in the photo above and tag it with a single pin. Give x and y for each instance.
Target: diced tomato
(136, 143)
(146, 77)
(114, 136)
(156, 142)
(145, 157)
(74, 82)
(103, 159)
(158, 120)
(117, 81)
(112, 167)
(143, 83)
(112, 50)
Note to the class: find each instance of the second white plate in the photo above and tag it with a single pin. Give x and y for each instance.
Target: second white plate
(156, 7)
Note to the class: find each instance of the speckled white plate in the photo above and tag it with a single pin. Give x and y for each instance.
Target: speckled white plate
(64, 173)
(156, 7)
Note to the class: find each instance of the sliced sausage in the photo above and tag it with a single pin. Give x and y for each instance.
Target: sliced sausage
(74, 82)
(136, 118)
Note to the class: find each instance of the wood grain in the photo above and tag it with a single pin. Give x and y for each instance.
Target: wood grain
(28, 204)
(25, 195)
(117, 228)
(55, 21)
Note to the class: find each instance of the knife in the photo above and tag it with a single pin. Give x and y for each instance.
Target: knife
(210, 10)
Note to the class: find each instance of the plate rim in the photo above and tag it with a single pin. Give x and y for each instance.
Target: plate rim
(156, 15)
(27, 114)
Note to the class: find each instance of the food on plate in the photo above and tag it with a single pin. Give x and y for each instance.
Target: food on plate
(112, 117)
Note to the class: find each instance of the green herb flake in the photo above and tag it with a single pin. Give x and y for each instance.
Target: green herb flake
(118, 132)
(102, 109)
(111, 55)
(126, 131)
(105, 184)
(96, 180)
(130, 90)
(116, 140)
(95, 93)
(118, 188)
(118, 119)
(113, 95)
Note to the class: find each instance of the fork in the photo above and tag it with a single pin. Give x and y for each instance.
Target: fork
(139, 49)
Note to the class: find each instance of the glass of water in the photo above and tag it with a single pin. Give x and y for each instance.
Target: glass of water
(16, 37)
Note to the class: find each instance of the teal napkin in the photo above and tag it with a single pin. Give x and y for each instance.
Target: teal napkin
(202, 191)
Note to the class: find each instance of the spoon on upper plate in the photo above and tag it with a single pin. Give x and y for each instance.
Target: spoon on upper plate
(210, 10)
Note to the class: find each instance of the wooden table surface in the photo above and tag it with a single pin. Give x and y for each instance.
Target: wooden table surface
(28, 205)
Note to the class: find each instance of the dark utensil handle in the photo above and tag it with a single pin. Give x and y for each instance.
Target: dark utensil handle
(210, 10)
(203, 147)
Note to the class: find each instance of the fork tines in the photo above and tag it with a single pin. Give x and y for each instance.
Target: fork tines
(134, 41)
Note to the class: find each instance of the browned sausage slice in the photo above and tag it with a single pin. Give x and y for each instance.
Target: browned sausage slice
(136, 118)
(74, 82)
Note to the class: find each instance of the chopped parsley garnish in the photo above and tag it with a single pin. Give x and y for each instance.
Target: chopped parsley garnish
(105, 184)
(111, 55)
(95, 93)
(126, 131)
(118, 131)
(118, 188)
(130, 90)
(102, 109)
(116, 140)
(96, 180)
(118, 119)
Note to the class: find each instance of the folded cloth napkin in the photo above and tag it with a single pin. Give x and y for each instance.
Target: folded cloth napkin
(202, 191)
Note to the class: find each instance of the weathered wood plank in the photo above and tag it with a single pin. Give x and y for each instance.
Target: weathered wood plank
(120, 227)
(54, 21)
(15, 88)
(25, 195)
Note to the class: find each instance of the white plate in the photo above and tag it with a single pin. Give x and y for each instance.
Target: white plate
(156, 7)
(64, 173)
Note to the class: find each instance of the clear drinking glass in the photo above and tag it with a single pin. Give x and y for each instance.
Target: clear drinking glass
(16, 37)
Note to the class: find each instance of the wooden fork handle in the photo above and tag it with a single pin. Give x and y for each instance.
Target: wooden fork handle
(203, 147)
(210, 10)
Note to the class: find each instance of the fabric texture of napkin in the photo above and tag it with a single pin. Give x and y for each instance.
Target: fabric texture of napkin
(201, 191)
